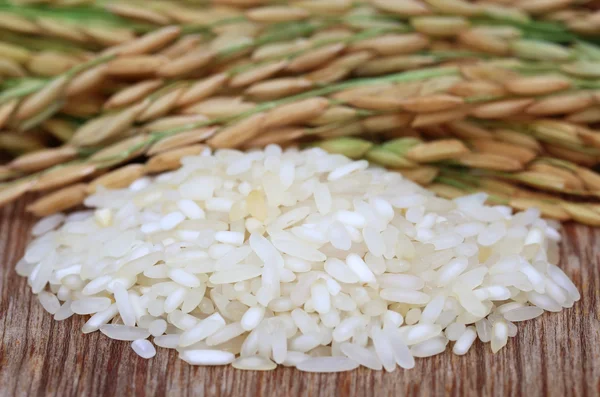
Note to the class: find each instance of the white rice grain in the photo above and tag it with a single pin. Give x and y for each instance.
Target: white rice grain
(143, 348)
(327, 364)
(299, 258)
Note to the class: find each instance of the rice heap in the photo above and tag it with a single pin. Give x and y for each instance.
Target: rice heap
(300, 258)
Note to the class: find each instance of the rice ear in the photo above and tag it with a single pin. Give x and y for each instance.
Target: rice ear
(314, 58)
(277, 88)
(59, 200)
(272, 14)
(161, 106)
(43, 159)
(238, 133)
(590, 178)
(421, 175)
(15, 23)
(584, 69)
(108, 36)
(6, 110)
(50, 64)
(541, 180)
(62, 130)
(571, 155)
(334, 114)
(15, 52)
(469, 130)
(171, 159)
(137, 12)
(537, 85)
(121, 151)
(378, 103)
(110, 127)
(518, 138)
(550, 210)
(86, 81)
(219, 107)
(446, 191)
(257, 74)
(440, 26)
(581, 213)
(14, 190)
(387, 158)
(135, 65)
(431, 103)
(455, 7)
(501, 109)
(436, 118)
(521, 154)
(490, 161)
(572, 181)
(117, 179)
(202, 89)
(132, 93)
(166, 123)
(485, 43)
(538, 50)
(150, 42)
(9, 68)
(402, 7)
(38, 101)
(61, 29)
(393, 64)
(446, 149)
(376, 124)
(477, 88)
(561, 104)
(62, 176)
(296, 112)
(589, 115)
(181, 139)
(333, 7)
(181, 46)
(393, 44)
(187, 63)
(536, 7)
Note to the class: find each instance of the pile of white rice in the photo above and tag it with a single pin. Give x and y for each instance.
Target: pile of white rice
(300, 258)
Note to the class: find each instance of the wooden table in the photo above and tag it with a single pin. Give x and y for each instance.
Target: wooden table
(557, 354)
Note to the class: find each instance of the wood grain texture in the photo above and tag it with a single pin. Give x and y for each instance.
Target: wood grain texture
(557, 354)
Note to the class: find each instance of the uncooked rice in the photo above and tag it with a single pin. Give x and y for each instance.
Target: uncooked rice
(299, 258)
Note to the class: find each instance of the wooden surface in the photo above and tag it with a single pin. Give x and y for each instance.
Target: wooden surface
(557, 354)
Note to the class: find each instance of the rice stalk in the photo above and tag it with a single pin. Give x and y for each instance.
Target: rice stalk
(269, 90)
(225, 136)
